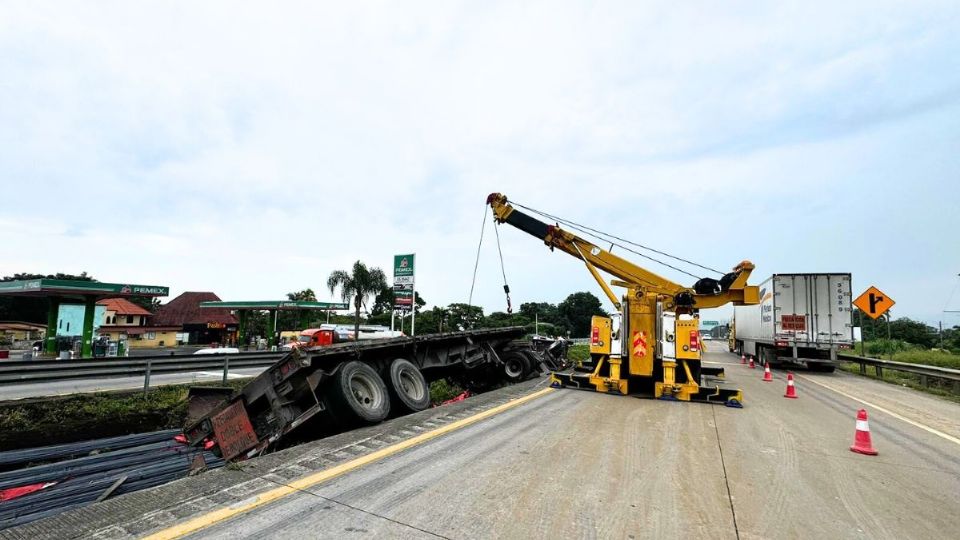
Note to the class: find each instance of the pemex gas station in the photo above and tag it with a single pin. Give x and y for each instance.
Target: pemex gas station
(58, 292)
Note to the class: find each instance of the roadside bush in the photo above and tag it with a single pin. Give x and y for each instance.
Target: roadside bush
(930, 358)
(442, 390)
(888, 347)
(579, 353)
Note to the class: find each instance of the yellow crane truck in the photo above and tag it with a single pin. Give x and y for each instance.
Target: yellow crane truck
(653, 347)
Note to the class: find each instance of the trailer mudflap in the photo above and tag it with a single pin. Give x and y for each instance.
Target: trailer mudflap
(233, 431)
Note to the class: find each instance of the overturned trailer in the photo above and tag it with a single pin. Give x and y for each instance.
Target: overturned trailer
(350, 384)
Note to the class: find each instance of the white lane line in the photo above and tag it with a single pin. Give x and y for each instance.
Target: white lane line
(924, 427)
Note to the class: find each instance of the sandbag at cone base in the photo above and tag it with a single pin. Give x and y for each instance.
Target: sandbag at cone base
(861, 439)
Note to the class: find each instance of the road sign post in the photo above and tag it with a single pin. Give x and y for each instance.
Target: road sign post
(874, 303)
(404, 289)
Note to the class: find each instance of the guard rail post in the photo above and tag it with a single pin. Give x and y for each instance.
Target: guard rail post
(146, 378)
(226, 369)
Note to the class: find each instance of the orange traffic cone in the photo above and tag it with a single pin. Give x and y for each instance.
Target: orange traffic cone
(791, 389)
(752, 365)
(767, 376)
(743, 359)
(861, 440)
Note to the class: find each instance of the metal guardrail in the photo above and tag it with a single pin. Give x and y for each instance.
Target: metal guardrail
(41, 371)
(923, 371)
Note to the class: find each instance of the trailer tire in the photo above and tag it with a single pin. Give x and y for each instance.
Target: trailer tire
(408, 389)
(516, 366)
(359, 394)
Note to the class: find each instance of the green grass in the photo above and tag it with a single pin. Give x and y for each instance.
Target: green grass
(30, 423)
(442, 390)
(938, 388)
(579, 354)
(901, 351)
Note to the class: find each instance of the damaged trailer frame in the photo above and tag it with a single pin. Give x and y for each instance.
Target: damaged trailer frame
(357, 383)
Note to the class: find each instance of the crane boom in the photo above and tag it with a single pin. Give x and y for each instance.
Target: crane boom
(707, 293)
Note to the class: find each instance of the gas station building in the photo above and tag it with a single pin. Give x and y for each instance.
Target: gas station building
(85, 293)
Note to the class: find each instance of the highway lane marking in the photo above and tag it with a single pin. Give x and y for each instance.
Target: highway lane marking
(212, 518)
(924, 427)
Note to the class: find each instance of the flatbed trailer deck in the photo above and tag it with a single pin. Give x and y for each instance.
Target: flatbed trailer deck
(356, 383)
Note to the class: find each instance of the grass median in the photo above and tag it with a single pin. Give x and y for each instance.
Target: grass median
(913, 355)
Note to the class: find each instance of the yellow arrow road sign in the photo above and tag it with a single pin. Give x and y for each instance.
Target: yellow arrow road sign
(874, 302)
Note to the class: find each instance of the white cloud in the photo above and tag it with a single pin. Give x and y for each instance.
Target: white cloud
(250, 151)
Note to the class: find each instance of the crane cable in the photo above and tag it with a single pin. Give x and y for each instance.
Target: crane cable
(607, 238)
(483, 227)
(506, 288)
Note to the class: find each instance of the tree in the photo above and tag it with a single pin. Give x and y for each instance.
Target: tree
(294, 320)
(499, 319)
(306, 295)
(464, 316)
(148, 303)
(577, 310)
(357, 285)
(540, 311)
(383, 303)
(903, 329)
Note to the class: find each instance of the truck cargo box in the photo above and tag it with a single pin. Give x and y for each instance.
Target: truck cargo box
(801, 317)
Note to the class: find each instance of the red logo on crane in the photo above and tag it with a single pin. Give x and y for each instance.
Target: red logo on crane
(639, 344)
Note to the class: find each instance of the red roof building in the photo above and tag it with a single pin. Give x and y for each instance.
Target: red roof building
(203, 325)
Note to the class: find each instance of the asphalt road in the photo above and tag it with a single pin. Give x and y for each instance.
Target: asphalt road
(576, 464)
(80, 386)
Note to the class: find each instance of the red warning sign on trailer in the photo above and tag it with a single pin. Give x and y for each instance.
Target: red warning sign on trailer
(233, 431)
(793, 323)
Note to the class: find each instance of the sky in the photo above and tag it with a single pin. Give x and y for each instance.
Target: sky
(250, 150)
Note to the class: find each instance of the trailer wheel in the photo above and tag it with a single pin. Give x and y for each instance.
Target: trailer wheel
(408, 388)
(515, 366)
(359, 394)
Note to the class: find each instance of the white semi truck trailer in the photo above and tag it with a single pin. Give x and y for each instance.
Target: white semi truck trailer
(802, 319)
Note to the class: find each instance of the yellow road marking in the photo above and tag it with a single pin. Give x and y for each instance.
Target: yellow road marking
(211, 518)
(924, 427)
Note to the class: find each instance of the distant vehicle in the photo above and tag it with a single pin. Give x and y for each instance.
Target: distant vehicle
(705, 337)
(801, 319)
(218, 350)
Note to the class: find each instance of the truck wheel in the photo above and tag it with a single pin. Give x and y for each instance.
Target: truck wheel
(408, 388)
(515, 366)
(359, 394)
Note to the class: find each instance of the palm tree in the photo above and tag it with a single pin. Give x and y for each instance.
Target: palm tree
(357, 285)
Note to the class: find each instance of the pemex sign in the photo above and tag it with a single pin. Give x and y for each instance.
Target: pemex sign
(403, 281)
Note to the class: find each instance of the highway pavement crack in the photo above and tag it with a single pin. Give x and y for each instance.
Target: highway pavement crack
(361, 510)
(726, 480)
